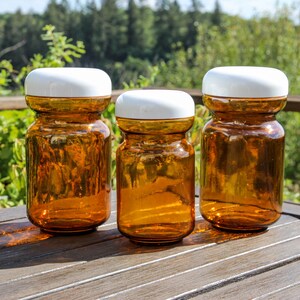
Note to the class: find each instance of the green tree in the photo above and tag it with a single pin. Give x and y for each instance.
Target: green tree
(216, 17)
(113, 30)
(14, 38)
(2, 24)
(74, 22)
(145, 30)
(57, 14)
(132, 28)
(168, 27)
(61, 51)
(140, 38)
(34, 26)
(193, 21)
(91, 33)
(13, 124)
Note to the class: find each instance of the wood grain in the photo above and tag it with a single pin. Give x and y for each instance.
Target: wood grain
(104, 264)
(262, 286)
(201, 269)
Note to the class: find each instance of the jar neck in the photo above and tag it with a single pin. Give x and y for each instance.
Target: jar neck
(67, 105)
(243, 118)
(244, 106)
(155, 127)
(72, 117)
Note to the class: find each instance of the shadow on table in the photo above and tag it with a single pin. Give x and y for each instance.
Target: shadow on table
(205, 233)
(23, 245)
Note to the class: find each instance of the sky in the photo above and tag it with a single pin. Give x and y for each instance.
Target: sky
(245, 9)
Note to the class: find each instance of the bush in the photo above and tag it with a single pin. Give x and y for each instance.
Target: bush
(13, 124)
(61, 51)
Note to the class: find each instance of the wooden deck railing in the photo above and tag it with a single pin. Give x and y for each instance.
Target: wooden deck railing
(18, 102)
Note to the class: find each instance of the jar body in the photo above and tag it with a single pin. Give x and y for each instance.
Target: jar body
(242, 157)
(155, 181)
(68, 170)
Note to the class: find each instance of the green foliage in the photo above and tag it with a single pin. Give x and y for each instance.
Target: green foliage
(109, 118)
(110, 31)
(291, 191)
(13, 124)
(201, 117)
(60, 51)
(291, 124)
(258, 42)
(6, 69)
(142, 81)
(170, 27)
(130, 70)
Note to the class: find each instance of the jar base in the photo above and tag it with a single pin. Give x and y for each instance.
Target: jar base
(239, 229)
(153, 242)
(157, 234)
(66, 227)
(69, 232)
(234, 224)
(237, 217)
(238, 224)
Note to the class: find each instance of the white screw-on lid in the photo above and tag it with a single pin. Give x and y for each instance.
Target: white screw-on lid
(67, 82)
(155, 105)
(248, 82)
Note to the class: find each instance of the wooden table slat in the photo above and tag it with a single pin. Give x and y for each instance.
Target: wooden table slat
(97, 254)
(290, 292)
(104, 264)
(182, 273)
(10, 214)
(128, 249)
(264, 285)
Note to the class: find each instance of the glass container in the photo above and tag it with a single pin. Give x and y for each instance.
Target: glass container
(242, 152)
(155, 166)
(68, 149)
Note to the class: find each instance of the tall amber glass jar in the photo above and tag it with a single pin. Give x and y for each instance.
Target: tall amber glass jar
(242, 150)
(155, 166)
(68, 149)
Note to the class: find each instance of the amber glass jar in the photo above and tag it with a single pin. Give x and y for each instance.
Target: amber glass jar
(68, 149)
(155, 166)
(242, 149)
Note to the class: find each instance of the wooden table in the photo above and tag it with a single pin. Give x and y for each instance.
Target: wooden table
(208, 264)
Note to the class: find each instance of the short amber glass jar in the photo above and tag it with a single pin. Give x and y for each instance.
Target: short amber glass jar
(242, 151)
(68, 149)
(155, 166)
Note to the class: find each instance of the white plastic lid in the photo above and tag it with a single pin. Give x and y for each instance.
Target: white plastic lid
(155, 105)
(248, 82)
(67, 82)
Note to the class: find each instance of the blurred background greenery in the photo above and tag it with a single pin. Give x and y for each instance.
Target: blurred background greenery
(141, 46)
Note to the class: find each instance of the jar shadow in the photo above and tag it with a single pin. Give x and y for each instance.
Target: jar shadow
(23, 244)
